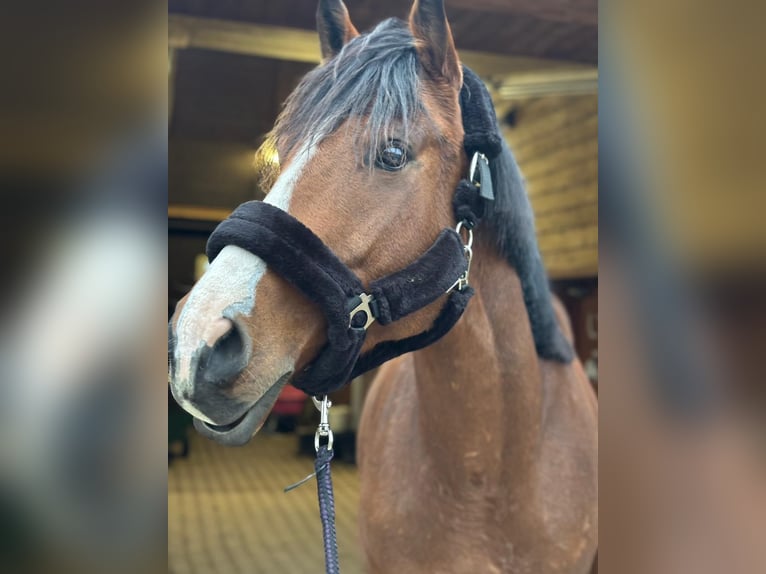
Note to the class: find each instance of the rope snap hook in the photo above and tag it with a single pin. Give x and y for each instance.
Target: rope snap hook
(323, 430)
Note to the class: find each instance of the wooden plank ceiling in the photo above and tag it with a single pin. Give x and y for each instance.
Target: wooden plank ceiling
(551, 29)
(224, 98)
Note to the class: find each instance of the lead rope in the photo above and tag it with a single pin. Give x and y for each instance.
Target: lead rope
(324, 485)
(327, 509)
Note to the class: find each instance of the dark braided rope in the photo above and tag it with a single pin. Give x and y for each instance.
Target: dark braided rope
(327, 508)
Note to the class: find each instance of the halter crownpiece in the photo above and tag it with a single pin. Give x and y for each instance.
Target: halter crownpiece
(301, 258)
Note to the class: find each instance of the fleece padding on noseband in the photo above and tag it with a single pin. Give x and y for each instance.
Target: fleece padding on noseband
(300, 257)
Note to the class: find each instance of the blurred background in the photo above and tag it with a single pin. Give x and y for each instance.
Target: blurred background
(232, 65)
(84, 482)
(682, 287)
(83, 193)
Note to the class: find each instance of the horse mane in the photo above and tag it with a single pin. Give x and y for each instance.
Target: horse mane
(376, 77)
(512, 222)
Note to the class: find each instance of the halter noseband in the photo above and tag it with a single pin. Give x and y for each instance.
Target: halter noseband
(301, 258)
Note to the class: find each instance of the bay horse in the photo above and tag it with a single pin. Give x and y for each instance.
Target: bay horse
(476, 454)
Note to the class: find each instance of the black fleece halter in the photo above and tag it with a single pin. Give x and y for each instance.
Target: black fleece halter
(301, 258)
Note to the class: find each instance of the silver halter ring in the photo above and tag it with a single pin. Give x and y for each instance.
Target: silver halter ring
(467, 244)
(462, 281)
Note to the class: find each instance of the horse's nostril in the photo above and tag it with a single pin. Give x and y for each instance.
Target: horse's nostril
(230, 346)
(220, 364)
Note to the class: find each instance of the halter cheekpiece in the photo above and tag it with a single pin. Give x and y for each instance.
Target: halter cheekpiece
(301, 258)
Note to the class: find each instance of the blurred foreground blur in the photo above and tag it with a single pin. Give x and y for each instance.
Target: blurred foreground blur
(83, 183)
(682, 285)
(683, 304)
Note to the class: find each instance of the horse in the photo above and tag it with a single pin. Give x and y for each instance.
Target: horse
(477, 453)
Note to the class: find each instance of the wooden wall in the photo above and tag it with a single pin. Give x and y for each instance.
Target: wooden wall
(555, 140)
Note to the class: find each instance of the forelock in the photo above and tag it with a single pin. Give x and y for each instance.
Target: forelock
(374, 79)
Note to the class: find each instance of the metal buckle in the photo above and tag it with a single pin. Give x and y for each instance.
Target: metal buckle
(462, 281)
(474, 165)
(480, 164)
(459, 228)
(323, 430)
(362, 307)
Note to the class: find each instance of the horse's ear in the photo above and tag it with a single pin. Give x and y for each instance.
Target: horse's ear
(334, 27)
(433, 39)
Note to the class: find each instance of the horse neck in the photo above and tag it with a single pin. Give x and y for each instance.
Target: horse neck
(479, 387)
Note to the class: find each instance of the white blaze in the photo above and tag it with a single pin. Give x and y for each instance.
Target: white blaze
(227, 288)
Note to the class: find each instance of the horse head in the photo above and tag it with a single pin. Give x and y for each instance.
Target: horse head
(370, 148)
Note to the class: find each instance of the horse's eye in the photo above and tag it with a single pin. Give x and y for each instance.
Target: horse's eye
(392, 156)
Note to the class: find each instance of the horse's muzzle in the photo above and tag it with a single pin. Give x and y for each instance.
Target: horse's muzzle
(214, 367)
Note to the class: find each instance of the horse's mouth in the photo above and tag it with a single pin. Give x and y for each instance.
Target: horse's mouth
(240, 431)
